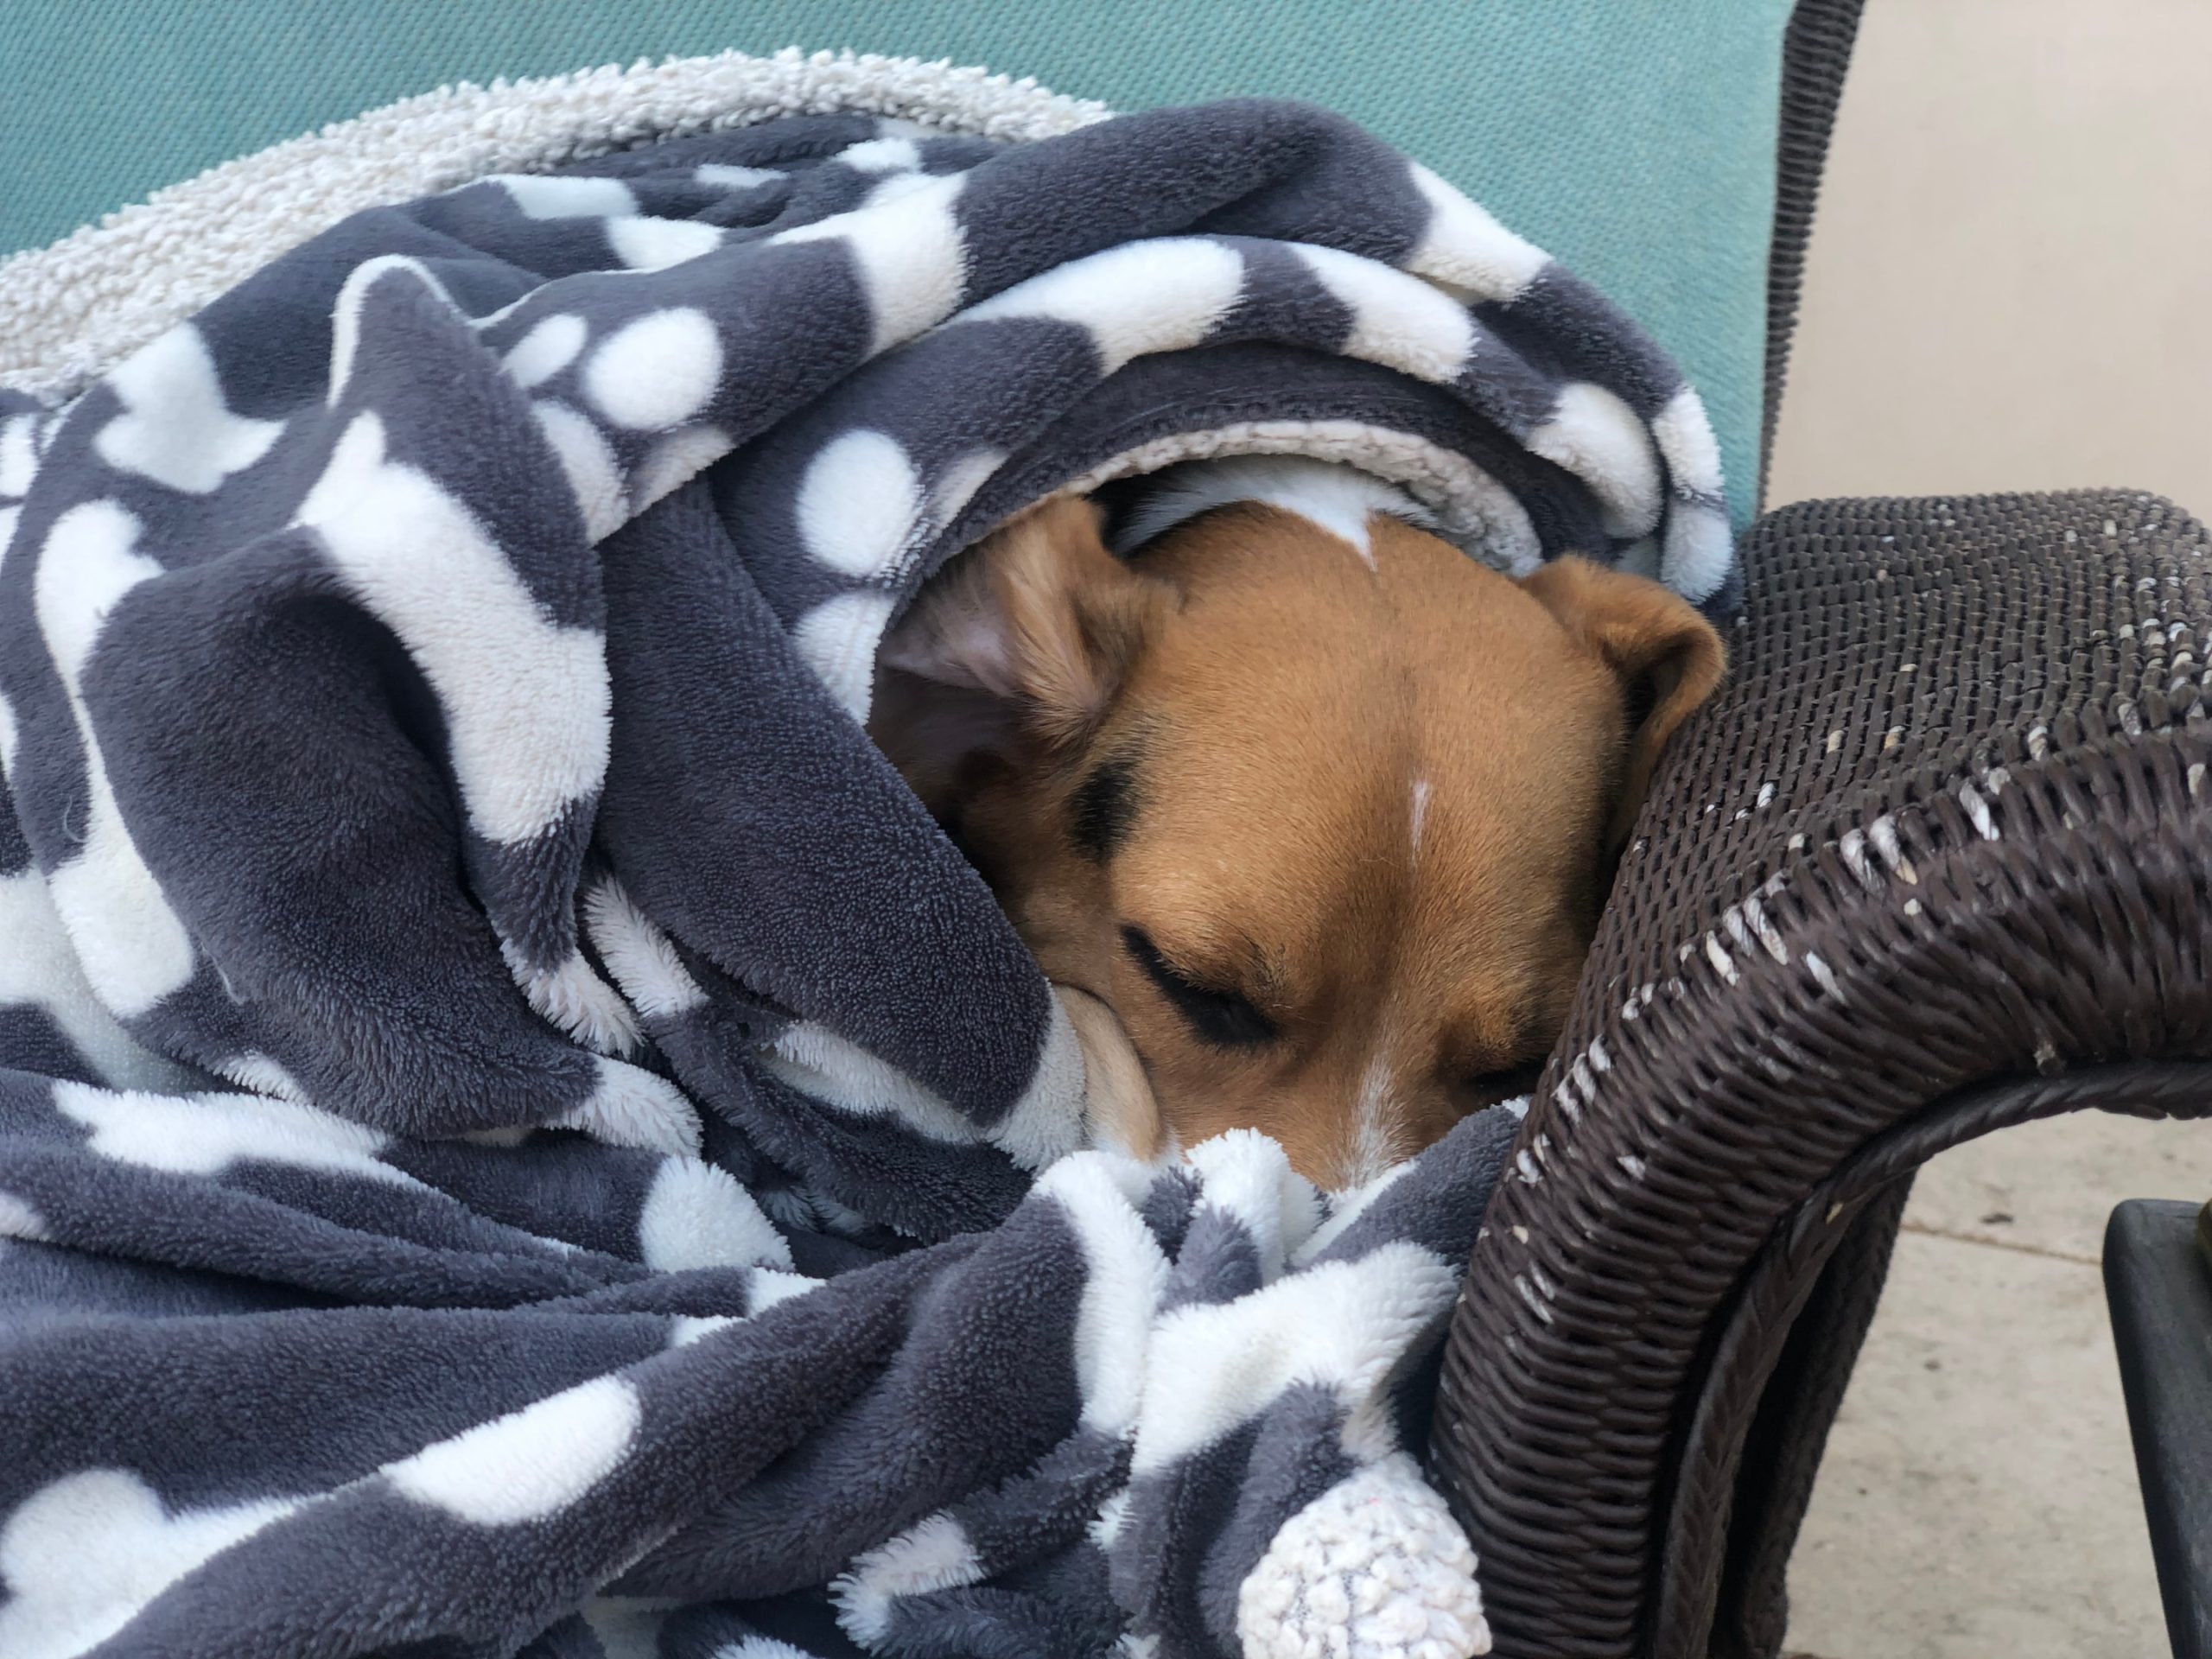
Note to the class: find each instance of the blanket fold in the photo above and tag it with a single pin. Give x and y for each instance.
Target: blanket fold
(518, 1134)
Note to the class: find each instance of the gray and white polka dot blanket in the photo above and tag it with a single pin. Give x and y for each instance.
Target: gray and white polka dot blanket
(517, 1134)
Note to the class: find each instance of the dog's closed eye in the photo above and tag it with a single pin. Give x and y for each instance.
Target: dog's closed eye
(1490, 1087)
(1225, 1019)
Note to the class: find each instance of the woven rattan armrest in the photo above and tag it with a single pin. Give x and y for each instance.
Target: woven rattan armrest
(1935, 861)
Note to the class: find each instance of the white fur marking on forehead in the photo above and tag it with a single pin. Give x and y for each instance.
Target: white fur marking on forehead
(1419, 812)
(1338, 499)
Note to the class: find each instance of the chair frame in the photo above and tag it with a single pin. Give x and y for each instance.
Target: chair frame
(1937, 861)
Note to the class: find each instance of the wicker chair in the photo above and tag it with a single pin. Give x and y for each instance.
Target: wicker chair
(1935, 863)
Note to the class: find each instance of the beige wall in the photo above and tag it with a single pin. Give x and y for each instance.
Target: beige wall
(2011, 277)
(2010, 288)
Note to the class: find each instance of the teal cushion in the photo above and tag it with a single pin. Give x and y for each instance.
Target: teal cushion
(1635, 143)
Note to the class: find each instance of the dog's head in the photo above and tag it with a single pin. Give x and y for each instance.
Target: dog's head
(1322, 810)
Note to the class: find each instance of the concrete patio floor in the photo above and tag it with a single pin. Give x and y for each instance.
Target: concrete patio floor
(1978, 1495)
(2007, 290)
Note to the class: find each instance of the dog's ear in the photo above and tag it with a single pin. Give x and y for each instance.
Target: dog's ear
(1668, 657)
(1031, 633)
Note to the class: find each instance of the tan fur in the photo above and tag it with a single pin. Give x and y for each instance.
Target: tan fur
(1118, 1096)
(1290, 713)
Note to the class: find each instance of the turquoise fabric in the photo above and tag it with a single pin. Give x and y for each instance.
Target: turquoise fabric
(1634, 139)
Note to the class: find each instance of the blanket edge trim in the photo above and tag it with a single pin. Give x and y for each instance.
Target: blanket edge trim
(72, 310)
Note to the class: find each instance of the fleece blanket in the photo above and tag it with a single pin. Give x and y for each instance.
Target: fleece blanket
(517, 1134)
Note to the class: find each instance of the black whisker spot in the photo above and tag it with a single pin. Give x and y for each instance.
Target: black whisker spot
(1104, 808)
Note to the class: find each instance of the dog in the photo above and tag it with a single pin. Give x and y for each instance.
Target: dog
(1305, 813)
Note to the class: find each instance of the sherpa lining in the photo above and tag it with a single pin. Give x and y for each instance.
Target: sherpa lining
(72, 310)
